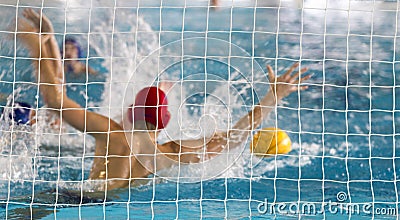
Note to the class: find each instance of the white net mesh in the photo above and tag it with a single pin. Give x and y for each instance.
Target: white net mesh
(210, 58)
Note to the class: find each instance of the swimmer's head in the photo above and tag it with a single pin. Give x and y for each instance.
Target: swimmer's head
(72, 49)
(21, 113)
(151, 107)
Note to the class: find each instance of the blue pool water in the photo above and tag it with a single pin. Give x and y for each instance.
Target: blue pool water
(344, 128)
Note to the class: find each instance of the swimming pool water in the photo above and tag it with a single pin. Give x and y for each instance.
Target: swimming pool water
(344, 128)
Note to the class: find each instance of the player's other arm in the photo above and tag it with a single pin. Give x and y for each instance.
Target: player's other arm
(281, 87)
(193, 151)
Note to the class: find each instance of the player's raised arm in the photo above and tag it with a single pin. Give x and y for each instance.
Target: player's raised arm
(281, 87)
(188, 151)
(44, 50)
(43, 25)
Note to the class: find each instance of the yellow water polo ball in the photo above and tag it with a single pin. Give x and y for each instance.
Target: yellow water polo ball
(270, 141)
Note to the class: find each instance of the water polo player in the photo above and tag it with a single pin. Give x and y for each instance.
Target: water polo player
(115, 161)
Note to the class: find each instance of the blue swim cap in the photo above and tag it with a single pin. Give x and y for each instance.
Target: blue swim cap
(20, 112)
(70, 40)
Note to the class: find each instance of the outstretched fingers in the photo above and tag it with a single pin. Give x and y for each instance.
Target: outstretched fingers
(271, 74)
(290, 70)
(40, 21)
(287, 81)
(32, 16)
(296, 75)
(302, 79)
(297, 88)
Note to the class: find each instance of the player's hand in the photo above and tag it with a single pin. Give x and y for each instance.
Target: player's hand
(287, 83)
(39, 21)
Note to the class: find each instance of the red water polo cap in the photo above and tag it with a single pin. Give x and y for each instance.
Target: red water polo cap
(151, 105)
